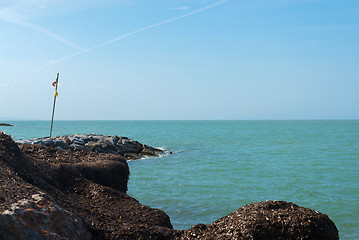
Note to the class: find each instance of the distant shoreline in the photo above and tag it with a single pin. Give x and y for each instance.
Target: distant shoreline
(185, 120)
(6, 124)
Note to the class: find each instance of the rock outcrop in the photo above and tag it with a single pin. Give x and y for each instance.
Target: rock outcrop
(278, 220)
(85, 187)
(40, 217)
(50, 193)
(128, 148)
(6, 124)
(26, 212)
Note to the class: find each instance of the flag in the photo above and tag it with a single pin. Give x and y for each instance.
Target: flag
(56, 81)
(55, 84)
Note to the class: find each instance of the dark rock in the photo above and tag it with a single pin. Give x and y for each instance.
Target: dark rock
(62, 168)
(77, 147)
(132, 156)
(278, 220)
(95, 147)
(46, 141)
(102, 147)
(113, 139)
(130, 146)
(6, 124)
(78, 141)
(150, 151)
(109, 147)
(61, 143)
(83, 138)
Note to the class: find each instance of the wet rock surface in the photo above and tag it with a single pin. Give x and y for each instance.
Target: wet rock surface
(128, 148)
(44, 187)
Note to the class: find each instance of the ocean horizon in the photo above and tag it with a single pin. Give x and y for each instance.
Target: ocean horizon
(218, 166)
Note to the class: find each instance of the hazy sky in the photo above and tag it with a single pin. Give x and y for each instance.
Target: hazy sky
(180, 59)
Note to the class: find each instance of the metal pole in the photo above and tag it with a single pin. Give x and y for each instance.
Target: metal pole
(53, 108)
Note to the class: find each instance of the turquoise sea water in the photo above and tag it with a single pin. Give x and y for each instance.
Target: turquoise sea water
(219, 166)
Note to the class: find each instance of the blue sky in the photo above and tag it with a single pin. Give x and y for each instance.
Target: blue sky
(180, 59)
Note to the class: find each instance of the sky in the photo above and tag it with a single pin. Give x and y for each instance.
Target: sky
(179, 59)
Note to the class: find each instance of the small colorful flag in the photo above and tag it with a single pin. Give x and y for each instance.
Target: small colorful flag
(55, 84)
(56, 81)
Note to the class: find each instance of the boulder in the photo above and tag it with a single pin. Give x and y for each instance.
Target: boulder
(81, 138)
(150, 151)
(61, 143)
(78, 147)
(129, 145)
(278, 220)
(40, 217)
(78, 141)
(62, 168)
(45, 141)
(27, 212)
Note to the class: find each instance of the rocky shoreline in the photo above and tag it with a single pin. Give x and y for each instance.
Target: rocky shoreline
(52, 192)
(128, 148)
(6, 124)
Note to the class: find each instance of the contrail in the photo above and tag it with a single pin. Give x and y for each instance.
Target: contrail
(137, 31)
(40, 30)
(12, 17)
(157, 24)
(48, 33)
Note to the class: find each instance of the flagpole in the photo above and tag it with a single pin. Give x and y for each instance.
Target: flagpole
(53, 108)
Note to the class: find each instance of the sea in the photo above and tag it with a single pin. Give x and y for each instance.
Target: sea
(217, 167)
